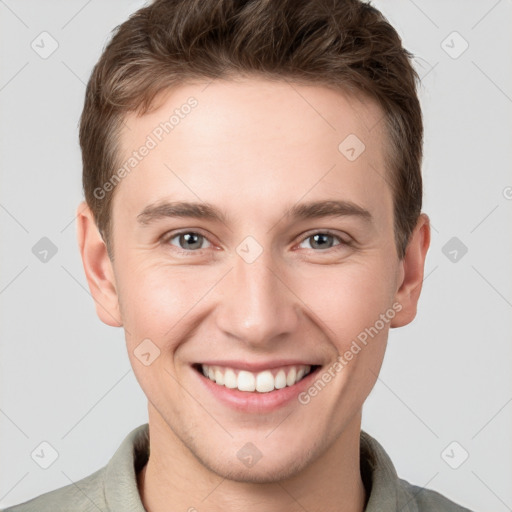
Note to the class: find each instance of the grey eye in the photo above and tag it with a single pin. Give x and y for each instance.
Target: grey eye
(321, 241)
(189, 240)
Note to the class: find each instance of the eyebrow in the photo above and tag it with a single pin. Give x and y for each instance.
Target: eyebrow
(207, 211)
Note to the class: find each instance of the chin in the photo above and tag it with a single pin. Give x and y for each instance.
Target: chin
(266, 470)
(264, 474)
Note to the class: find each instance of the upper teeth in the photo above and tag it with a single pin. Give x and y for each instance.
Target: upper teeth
(264, 381)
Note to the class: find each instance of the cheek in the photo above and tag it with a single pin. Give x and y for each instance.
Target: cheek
(348, 308)
(157, 300)
(158, 303)
(348, 299)
(147, 298)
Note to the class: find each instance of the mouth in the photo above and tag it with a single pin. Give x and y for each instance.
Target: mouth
(265, 381)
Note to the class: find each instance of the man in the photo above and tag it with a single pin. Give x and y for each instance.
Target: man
(252, 176)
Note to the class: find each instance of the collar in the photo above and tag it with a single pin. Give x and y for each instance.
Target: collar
(383, 490)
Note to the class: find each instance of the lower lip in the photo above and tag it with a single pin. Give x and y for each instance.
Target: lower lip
(256, 402)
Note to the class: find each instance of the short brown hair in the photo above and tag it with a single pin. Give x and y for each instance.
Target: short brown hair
(346, 44)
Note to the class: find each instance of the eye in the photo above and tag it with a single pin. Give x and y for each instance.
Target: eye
(323, 240)
(188, 241)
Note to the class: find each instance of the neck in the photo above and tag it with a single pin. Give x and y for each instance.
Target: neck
(173, 479)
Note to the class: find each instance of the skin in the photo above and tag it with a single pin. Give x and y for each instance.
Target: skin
(254, 148)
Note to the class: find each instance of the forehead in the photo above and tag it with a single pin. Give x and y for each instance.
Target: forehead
(255, 143)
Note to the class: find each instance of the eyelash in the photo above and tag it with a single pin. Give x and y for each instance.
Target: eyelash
(169, 236)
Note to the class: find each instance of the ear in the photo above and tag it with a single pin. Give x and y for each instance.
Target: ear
(98, 267)
(411, 272)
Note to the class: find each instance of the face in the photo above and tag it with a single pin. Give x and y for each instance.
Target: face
(286, 265)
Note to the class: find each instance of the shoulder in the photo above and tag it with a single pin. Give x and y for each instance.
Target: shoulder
(425, 500)
(85, 495)
(113, 487)
(386, 491)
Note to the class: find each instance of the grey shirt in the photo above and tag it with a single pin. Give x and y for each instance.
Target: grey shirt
(113, 488)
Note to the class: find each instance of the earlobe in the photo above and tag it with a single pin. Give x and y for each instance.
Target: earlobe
(411, 278)
(98, 267)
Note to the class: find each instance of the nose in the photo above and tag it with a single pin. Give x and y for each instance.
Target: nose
(257, 307)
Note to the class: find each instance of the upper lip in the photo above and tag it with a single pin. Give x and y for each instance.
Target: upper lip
(260, 366)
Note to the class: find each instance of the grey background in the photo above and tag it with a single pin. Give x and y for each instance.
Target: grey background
(65, 376)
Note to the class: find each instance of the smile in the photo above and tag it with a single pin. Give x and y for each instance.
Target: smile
(262, 382)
